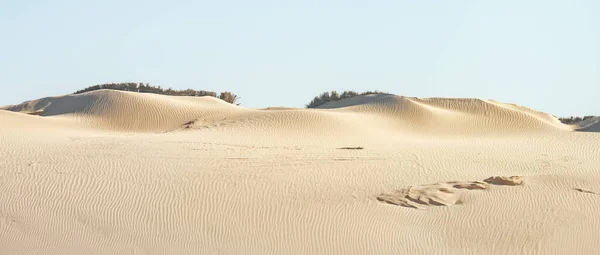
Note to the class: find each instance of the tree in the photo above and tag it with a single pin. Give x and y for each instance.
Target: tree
(229, 97)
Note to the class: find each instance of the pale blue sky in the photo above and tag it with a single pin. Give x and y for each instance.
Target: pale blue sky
(540, 54)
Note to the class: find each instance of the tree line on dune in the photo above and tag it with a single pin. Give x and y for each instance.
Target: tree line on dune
(226, 96)
(147, 88)
(229, 97)
(574, 120)
(326, 97)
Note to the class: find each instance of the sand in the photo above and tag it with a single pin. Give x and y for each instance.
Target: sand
(110, 172)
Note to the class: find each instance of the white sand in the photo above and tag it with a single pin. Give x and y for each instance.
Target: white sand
(110, 172)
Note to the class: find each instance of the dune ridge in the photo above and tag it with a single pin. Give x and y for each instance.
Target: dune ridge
(120, 110)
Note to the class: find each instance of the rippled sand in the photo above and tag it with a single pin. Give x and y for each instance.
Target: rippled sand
(111, 172)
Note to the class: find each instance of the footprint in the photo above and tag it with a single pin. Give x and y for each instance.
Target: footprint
(438, 194)
(469, 185)
(505, 180)
(441, 194)
(422, 196)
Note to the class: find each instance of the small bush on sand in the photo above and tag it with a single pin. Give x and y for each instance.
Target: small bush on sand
(147, 88)
(574, 120)
(229, 97)
(326, 97)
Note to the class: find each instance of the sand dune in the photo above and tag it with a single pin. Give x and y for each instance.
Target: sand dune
(451, 115)
(119, 110)
(150, 112)
(109, 172)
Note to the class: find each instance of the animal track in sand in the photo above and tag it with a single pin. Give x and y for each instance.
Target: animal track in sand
(351, 148)
(586, 191)
(441, 194)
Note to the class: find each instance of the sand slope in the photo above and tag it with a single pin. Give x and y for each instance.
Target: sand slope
(130, 111)
(119, 110)
(451, 115)
(110, 172)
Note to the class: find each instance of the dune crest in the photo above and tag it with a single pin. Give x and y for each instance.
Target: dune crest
(137, 112)
(453, 115)
(130, 111)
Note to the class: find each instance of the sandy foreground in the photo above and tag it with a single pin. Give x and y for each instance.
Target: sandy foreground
(109, 172)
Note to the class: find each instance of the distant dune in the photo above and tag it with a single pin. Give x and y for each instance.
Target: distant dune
(115, 172)
(120, 110)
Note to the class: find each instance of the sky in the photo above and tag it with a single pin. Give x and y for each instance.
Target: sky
(541, 54)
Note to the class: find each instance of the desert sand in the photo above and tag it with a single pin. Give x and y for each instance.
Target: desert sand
(112, 172)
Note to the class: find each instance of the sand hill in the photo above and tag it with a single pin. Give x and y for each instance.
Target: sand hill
(129, 111)
(113, 172)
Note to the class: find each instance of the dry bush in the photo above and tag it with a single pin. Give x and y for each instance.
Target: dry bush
(229, 97)
(326, 97)
(147, 88)
(574, 120)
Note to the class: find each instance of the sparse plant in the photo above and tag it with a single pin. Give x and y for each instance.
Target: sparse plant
(326, 97)
(147, 88)
(574, 120)
(229, 97)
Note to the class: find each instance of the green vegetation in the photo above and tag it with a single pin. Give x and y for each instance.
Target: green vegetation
(574, 120)
(326, 97)
(147, 88)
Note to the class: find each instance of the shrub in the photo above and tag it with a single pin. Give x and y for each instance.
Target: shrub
(326, 97)
(147, 88)
(574, 120)
(228, 97)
